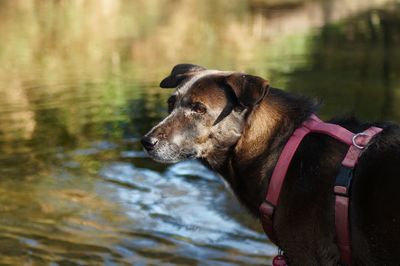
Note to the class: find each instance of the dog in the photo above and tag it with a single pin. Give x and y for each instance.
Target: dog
(237, 125)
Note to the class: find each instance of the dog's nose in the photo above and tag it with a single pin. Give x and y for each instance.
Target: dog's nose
(149, 142)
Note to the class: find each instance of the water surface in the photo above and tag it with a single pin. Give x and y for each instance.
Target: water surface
(79, 87)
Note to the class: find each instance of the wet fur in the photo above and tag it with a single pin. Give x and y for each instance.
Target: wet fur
(304, 218)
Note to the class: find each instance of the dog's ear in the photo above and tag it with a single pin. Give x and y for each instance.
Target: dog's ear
(179, 73)
(249, 90)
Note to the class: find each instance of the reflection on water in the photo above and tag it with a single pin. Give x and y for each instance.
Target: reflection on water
(78, 87)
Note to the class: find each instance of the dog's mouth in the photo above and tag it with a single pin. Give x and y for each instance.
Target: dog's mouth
(170, 153)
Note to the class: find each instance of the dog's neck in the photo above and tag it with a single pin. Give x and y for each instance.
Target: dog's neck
(248, 165)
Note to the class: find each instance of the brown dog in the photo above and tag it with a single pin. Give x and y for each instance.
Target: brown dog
(237, 125)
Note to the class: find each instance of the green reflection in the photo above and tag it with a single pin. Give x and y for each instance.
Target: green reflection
(354, 66)
(79, 86)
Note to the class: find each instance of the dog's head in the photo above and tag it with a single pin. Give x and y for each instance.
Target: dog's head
(207, 112)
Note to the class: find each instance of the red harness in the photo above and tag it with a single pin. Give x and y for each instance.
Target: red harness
(357, 143)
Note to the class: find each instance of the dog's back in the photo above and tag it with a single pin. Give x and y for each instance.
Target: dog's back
(375, 211)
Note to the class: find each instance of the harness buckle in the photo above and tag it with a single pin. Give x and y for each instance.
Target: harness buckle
(266, 215)
(267, 209)
(343, 181)
(354, 140)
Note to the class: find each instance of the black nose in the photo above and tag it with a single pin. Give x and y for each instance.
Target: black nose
(149, 142)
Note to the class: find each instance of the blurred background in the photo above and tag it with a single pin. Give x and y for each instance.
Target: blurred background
(79, 86)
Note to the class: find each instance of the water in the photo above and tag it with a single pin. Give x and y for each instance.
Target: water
(79, 86)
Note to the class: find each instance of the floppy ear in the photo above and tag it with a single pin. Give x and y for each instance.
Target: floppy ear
(178, 74)
(249, 90)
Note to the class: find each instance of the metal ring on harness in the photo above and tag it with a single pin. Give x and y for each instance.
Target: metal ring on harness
(362, 134)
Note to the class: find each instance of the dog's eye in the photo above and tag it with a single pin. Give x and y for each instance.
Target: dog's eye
(171, 103)
(198, 108)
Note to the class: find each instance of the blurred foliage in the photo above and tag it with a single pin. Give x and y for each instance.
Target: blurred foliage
(355, 63)
(72, 64)
(79, 86)
(74, 71)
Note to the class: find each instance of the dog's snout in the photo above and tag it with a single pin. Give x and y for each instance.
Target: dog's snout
(149, 142)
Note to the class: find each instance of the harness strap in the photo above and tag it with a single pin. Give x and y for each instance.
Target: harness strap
(342, 191)
(357, 143)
